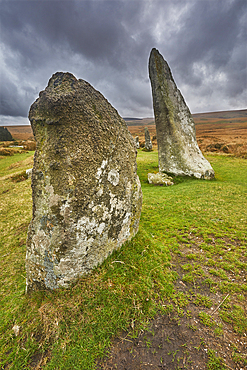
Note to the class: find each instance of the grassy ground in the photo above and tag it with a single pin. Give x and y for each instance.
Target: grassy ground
(192, 234)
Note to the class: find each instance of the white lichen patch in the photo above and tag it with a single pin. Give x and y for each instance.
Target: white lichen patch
(113, 177)
(125, 230)
(101, 227)
(101, 168)
(99, 192)
(53, 198)
(126, 218)
(85, 225)
(41, 243)
(65, 210)
(118, 206)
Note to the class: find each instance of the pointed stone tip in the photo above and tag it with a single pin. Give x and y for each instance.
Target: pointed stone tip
(155, 55)
(158, 63)
(154, 51)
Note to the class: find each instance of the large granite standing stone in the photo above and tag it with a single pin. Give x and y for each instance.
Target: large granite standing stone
(176, 137)
(86, 194)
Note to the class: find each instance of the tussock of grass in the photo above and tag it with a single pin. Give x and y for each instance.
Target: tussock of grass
(71, 328)
(22, 176)
(215, 363)
(206, 319)
(202, 300)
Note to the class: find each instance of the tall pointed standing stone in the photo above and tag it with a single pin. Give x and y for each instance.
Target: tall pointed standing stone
(176, 137)
(87, 196)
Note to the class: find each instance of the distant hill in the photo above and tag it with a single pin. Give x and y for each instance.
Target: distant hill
(210, 117)
(223, 114)
(139, 121)
(23, 132)
(232, 117)
(132, 119)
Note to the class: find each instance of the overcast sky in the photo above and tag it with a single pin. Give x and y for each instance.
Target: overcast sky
(108, 43)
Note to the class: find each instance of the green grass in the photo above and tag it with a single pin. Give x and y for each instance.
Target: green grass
(215, 363)
(71, 328)
(11, 164)
(206, 319)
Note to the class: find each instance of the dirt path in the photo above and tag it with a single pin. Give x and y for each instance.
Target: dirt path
(178, 340)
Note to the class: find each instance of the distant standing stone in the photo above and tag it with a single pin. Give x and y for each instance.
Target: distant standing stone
(86, 194)
(5, 135)
(148, 142)
(176, 137)
(137, 142)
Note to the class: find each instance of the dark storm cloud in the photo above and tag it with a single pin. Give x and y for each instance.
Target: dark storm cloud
(90, 28)
(108, 43)
(210, 33)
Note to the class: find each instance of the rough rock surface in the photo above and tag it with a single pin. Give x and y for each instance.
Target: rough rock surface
(86, 194)
(148, 142)
(177, 146)
(159, 179)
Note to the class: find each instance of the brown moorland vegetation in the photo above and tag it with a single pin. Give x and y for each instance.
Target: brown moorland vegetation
(220, 132)
(224, 132)
(21, 132)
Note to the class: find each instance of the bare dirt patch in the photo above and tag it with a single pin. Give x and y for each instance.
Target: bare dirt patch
(171, 343)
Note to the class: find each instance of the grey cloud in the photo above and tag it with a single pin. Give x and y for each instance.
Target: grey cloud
(12, 102)
(90, 28)
(210, 33)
